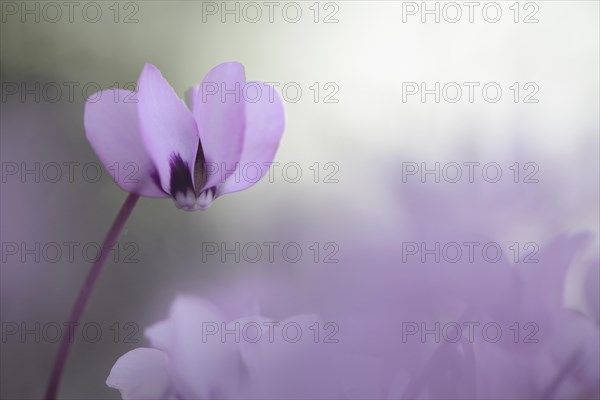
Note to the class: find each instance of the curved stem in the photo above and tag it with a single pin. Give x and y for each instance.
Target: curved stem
(85, 293)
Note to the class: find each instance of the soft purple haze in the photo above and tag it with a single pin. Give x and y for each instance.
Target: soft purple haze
(379, 306)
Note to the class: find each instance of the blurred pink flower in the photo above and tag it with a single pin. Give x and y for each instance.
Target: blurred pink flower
(552, 353)
(198, 353)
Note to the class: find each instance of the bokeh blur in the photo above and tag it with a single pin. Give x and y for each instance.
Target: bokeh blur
(375, 93)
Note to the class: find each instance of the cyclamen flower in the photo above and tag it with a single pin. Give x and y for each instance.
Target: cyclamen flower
(184, 152)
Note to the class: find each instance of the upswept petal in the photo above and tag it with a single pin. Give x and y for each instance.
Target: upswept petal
(265, 121)
(219, 111)
(168, 130)
(111, 126)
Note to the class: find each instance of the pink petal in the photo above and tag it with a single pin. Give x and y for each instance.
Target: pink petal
(168, 130)
(265, 121)
(141, 374)
(203, 365)
(219, 111)
(111, 127)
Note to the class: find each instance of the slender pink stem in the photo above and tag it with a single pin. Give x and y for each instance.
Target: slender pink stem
(85, 292)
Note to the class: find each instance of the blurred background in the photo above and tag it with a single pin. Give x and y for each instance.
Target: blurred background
(345, 70)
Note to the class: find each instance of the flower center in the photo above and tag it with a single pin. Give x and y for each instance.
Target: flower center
(182, 186)
(180, 183)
